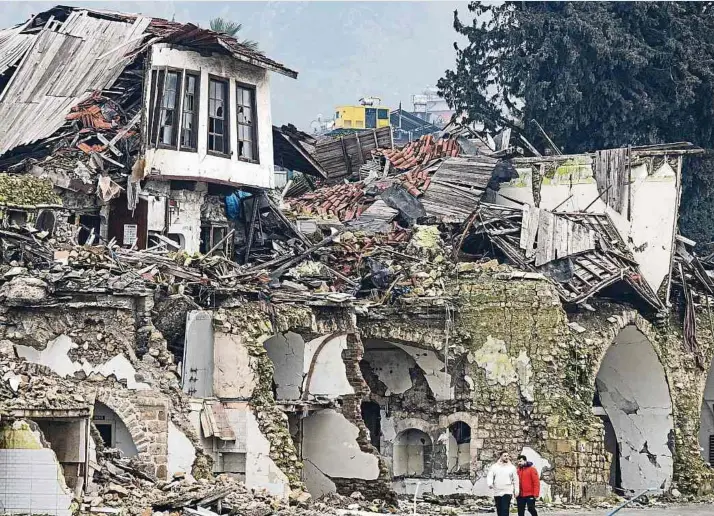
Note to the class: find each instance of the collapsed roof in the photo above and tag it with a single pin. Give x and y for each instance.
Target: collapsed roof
(61, 57)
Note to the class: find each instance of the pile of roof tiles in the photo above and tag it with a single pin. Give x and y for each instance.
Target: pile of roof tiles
(347, 201)
(90, 113)
(416, 182)
(344, 201)
(421, 152)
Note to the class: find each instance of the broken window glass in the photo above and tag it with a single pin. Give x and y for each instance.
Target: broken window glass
(167, 115)
(217, 116)
(245, 109)
(189, 115)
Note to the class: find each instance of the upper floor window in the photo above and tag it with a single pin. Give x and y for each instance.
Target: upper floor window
(382, 114)
(218, 116)
(189, 111)
(164, 104)
(247, 134)
(174, 92)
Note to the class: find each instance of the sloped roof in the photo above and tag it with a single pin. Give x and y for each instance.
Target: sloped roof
(189, 34)
(291, 151)
(65, 54)
(61, 68)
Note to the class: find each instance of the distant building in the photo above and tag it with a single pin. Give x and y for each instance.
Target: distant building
(367, 115)
(432, 108)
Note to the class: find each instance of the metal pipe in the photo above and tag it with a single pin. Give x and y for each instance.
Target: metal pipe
(628, 502)
(416, 492)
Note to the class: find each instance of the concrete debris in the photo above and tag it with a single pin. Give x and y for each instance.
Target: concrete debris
(182, 332)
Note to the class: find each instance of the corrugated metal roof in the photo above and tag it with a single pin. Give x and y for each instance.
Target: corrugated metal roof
(60, 70)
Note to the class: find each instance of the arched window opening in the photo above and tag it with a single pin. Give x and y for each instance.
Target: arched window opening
(412, 454)
(459, 450)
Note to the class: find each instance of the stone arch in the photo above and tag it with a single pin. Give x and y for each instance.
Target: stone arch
(123, 407)
(431, 429)
(473, 448)
(619, 323)
(633, 398)
(466, 417)
(412, 453)
(310, 373)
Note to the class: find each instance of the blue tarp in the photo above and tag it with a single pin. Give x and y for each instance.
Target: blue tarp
(233, 204)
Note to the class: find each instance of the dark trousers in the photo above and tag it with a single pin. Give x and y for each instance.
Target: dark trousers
(528, 501)
(503, 503)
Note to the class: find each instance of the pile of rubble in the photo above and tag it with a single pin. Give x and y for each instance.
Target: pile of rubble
(409, 168)
(123, 486)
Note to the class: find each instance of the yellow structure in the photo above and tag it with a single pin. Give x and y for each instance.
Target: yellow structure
(365, 116)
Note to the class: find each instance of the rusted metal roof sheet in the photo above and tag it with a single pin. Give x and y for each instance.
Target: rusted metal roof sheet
(63, 66)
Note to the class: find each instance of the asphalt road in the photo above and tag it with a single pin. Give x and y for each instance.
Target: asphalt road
(683, 510)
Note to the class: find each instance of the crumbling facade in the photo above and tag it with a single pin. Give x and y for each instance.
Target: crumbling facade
(386, 323)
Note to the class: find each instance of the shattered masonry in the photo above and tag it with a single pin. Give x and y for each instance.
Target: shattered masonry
(174, 332)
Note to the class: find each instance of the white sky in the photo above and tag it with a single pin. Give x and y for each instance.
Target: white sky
(341, 50)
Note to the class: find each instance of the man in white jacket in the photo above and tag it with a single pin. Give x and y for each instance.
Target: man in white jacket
(502, 479)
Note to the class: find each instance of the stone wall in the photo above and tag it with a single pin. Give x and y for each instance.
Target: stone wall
(146, 416)
(685, 378)
(526, 375)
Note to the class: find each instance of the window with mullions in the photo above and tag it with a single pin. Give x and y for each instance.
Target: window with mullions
(165, 96)
(189, 112)
(171, 91)
(247, 133)
(218, 140)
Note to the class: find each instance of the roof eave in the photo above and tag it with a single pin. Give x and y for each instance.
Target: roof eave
(259, 63)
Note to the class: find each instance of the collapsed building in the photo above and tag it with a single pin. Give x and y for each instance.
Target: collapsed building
(387, 322)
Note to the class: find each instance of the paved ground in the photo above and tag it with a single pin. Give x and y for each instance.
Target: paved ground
(684, 510)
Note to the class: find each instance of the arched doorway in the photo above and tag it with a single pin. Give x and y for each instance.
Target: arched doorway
(632, 396)
(412, 453)
(706, 426)
(113, 431)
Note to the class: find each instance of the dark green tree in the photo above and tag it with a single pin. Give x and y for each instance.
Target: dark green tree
(595, 75)
(231, 28)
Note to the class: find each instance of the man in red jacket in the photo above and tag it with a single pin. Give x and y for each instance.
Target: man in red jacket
(529, 487)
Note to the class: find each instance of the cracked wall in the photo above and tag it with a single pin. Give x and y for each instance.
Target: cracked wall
(330, 444)
(526, 376)
(634, 393)
(706, 429)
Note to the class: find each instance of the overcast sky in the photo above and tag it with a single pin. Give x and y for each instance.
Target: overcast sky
(341, 50)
